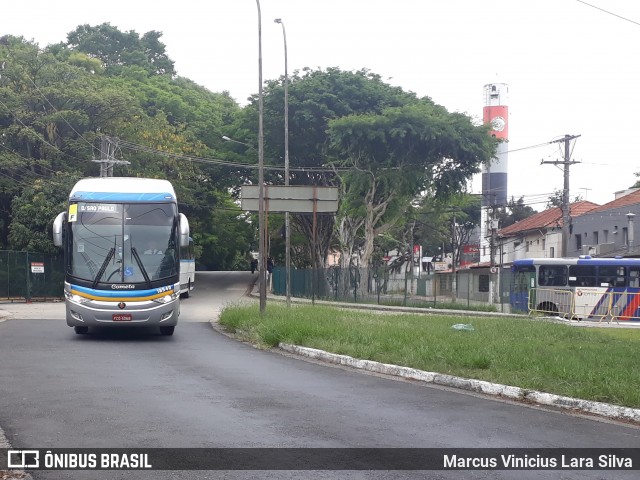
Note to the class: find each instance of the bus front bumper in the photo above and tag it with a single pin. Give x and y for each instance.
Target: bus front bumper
(119, 314)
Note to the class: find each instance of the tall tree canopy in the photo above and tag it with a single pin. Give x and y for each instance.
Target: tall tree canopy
(401, 153)
(56, 103)
(315, 98)
(515, 211)
(117, 49)
(383, 146)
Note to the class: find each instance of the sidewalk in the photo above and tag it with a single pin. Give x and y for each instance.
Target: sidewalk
(32, 310)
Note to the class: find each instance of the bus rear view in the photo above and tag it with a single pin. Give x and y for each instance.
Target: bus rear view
(122, 239)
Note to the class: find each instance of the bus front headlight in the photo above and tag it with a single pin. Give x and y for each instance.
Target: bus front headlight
(167, 298)
(72, 297)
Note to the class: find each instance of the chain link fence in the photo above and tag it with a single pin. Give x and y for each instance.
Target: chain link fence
(473, 289)
(31, 276)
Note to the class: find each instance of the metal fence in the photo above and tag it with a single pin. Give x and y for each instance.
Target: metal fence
(468, 288)
(30, 275)
(588, 303)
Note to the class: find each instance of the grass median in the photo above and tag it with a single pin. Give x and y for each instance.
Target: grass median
(596, 364)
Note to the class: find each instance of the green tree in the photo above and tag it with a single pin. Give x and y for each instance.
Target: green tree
(395, 156)
(34, 210)
(55, 105)
(315, 98)
(117, 49)
(515, 211)
(556, 199)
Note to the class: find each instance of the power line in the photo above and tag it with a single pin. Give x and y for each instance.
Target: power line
(215, 161)
(529, 147)
(610, 13)
(61, 116)
(40, 137)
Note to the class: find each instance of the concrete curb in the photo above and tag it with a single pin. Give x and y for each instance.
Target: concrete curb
(516, 393)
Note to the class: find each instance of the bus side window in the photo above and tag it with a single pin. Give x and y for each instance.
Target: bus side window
(634, 277)
(582, 276)
(611, 276)
(552, 275)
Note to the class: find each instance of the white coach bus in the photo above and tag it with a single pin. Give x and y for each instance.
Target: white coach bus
(122, 239)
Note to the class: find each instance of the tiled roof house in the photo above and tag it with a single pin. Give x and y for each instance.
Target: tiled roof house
(538, 236)
(608, 230)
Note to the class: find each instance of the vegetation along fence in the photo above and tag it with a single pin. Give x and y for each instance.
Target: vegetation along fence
(463, 290)
(30, 276)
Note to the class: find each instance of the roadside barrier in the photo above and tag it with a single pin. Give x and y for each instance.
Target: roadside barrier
(586, 303)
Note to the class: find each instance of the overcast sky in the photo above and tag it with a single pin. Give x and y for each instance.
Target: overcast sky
(571, 68)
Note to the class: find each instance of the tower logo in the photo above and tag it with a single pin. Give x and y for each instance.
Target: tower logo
(498, 124)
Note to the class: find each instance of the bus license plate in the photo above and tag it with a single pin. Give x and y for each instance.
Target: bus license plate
(121, 317)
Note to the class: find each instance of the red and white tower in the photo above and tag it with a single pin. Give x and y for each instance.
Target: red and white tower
(494, 176)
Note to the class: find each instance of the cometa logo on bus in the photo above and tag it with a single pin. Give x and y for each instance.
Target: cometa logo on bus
(119, 286)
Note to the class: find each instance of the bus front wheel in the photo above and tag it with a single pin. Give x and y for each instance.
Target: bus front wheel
(188, 292)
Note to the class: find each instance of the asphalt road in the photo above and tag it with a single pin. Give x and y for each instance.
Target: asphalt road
(199, 388)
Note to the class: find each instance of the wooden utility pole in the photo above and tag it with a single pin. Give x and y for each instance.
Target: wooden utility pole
(567, 162)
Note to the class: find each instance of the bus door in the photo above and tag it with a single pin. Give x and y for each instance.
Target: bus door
(524, 283)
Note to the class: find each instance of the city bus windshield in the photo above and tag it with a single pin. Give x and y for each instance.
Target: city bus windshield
(122, 243)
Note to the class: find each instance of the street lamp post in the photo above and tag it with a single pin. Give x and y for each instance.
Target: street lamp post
(262, 284)
(286, 166)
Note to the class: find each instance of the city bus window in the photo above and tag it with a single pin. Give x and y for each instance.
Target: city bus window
(520, 278)
(634, 277)
(611, 276)
(552, 276)
(582, 276)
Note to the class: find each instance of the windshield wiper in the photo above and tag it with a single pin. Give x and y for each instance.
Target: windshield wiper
(110, 255)
(142, 269)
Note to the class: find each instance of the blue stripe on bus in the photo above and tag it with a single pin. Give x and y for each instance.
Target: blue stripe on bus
(122, 293)
(607, 262)
(122, 197)
(524, 261)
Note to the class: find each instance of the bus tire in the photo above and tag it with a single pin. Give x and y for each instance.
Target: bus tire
(547, 307)
(81, 330)
(167, 331)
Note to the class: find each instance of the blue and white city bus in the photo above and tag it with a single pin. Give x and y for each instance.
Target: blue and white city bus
(122, 238)
(581, 288)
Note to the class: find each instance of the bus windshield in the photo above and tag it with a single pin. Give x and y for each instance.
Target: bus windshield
(123, 243)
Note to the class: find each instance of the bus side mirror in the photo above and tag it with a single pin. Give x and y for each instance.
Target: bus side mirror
(57, 228)
(184, 231)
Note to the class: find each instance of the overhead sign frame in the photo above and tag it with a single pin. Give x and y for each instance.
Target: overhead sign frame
(291, 198)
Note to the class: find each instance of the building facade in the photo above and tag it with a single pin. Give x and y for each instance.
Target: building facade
(608, 230)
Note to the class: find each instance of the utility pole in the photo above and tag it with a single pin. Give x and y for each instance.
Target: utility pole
(107, 152)
(493, 227)
(567, 162)
(454, 244)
